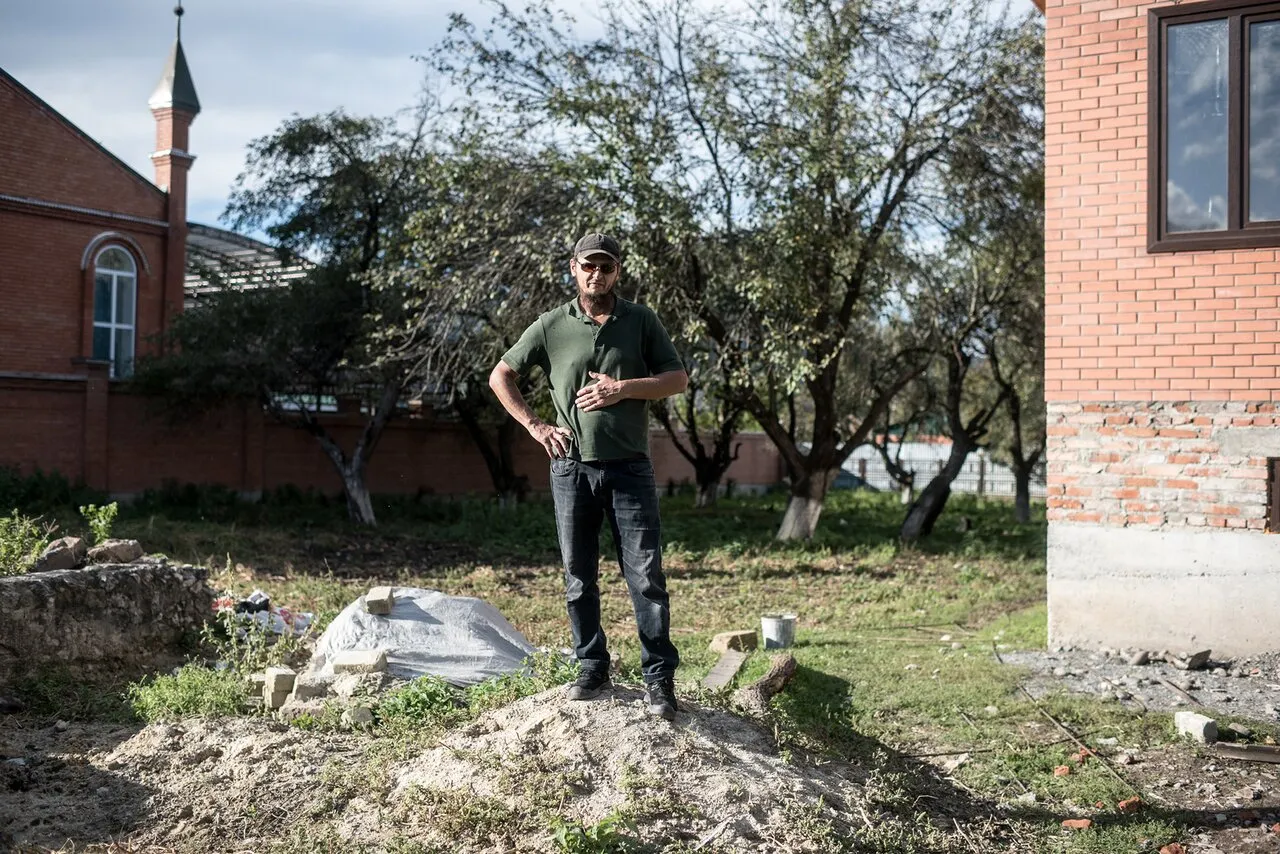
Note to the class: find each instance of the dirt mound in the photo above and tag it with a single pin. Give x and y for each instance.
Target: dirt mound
(507, 781)
(710, 777)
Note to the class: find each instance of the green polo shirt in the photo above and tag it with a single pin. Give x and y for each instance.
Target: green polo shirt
(567, 344)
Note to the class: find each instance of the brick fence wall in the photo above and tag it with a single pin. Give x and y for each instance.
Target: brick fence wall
(95, 431)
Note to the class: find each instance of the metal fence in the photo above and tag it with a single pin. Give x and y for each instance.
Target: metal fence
(979, 476)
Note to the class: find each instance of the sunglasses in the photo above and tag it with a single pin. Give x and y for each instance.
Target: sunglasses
(606, 268)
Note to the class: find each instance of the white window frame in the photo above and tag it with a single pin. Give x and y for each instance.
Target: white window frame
(119, 278)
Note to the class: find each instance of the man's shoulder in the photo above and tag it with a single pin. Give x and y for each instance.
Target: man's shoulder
(557, 315)
(639, 310)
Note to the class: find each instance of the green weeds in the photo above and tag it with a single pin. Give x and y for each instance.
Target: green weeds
(22, 540)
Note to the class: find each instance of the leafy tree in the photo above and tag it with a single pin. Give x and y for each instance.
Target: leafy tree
(339, 191)
(985, 303)
(810, 138)
(486, 255)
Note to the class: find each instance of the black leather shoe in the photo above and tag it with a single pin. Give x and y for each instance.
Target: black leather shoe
(661, 698)
(589, 685)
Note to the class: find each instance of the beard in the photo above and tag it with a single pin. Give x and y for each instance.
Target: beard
(597, 302)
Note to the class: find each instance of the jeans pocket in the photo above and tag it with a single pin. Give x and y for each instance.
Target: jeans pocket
(562, 466)
(640, 468)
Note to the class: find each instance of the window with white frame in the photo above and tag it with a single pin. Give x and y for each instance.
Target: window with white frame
(115, 293)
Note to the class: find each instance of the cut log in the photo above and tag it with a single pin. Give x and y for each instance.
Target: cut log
(756, 696)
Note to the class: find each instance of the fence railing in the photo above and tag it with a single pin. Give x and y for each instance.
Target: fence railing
(979, 476)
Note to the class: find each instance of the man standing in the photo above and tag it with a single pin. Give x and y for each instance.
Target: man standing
(604, 358)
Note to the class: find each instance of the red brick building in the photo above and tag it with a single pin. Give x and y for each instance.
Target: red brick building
(1163, 323)
(93, 260)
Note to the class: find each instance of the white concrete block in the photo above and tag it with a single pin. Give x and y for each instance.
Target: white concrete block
(1199, 727)
(279, 679)
(360, 661)
(379, 600)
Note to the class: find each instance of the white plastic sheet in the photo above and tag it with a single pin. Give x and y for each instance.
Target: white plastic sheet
(461, 639)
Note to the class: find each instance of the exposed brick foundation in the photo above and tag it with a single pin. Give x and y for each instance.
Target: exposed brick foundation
(1161, 464)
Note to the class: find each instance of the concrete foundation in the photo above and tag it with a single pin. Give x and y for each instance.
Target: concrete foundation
(1144, 588)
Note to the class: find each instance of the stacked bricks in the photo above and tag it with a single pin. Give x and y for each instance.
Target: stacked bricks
(1158, 464)
(1123, 324)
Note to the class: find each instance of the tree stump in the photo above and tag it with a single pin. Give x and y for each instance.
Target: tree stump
(756, 696)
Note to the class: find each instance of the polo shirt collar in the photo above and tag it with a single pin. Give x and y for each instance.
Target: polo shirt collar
(620, 307)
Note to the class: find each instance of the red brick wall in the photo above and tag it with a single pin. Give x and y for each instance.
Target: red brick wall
(42, 423)
(1126, 330)
(46, 318)
(44, 158)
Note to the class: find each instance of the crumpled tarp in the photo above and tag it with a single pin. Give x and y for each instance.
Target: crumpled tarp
(461, 639)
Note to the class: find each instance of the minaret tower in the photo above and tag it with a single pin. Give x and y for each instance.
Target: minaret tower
(175, 106)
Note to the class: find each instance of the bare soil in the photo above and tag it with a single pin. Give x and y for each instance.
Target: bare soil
(712, 781)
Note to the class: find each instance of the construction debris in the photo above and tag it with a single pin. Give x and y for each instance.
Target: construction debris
(1196, 661)
(1248, 752)
(724, 671)
(1198, 727)
(742, 641)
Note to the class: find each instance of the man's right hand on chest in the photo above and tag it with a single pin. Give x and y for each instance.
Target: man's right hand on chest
(556, 441)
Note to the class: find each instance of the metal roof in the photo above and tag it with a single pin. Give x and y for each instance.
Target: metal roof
(175, 88)
(219, 258)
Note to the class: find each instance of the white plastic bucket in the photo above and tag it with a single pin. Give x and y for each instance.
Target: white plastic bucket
(778, 630)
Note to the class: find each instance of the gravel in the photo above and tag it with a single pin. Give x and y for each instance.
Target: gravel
(1247, 687)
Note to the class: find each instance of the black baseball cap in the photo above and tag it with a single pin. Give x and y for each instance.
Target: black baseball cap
(596, 243)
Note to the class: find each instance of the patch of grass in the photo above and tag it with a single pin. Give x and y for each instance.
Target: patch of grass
(459, 815)
(427, 702)
(613, 834)
(544, 670)
(194, 689)
(430, 704)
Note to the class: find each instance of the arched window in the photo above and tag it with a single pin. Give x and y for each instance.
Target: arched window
(115, 292)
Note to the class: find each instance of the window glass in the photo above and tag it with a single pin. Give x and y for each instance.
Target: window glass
(1264, 121)
(124, 353)
(124, 299)
(115, 259)
(102, 298)
(1197, 126)
(102, 342)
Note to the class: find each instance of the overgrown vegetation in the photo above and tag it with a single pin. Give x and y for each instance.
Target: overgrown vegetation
(216, 683)
(100, 519)
(22, 540)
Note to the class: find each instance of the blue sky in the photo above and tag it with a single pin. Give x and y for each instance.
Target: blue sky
(254, 63)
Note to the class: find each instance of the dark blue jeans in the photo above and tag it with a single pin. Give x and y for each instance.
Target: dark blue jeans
(624, 492)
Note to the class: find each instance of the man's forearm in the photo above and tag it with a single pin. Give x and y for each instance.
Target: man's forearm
(507, 390)
(655, 387)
